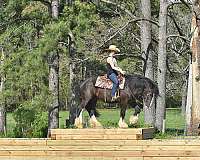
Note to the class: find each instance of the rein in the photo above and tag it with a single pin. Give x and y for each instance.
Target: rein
(137, 101)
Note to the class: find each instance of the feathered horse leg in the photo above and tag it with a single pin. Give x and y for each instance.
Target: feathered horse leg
(134, 118)
(91, 108)
(79, 116)
(122, 123)
(94, 123)
(79, 120)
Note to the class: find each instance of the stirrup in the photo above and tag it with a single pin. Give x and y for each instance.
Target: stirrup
(114, 99)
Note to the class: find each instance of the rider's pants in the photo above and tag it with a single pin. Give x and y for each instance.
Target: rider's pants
(113, 78)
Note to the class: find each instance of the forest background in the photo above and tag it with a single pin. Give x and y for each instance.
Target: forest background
(48, 47)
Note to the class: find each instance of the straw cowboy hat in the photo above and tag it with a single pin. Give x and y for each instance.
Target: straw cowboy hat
(113, 48)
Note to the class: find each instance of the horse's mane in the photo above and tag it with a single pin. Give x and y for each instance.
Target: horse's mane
(139, 80)
(84, 82)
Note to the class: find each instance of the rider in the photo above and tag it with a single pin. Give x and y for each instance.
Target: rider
(113, 70)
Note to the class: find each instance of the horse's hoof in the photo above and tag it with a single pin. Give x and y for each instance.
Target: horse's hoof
(122, 125)
(78, 123)
(133, 120)
(95, 124)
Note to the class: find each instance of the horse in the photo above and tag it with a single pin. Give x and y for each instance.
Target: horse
(138, 91)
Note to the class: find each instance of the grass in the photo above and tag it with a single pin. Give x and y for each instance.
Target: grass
(109, 118)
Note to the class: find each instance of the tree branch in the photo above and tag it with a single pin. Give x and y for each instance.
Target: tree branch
(187, 4)
(176, 25)
(123, 28)
(126, 55)
(119, 6)
(182, 37)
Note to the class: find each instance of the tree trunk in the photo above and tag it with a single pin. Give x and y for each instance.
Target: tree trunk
(184, 96)
(194, 124)
(55, 7)
(74, 79)
(2, 104)
(73, 93)
(149, 113)
(161, 79)
(189, 102)
(53, 115)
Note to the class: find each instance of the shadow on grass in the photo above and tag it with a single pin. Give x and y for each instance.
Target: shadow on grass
(169, 133)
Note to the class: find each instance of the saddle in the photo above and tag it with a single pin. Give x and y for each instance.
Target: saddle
(104, 82)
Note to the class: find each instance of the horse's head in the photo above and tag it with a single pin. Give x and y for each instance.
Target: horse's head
(142, 89)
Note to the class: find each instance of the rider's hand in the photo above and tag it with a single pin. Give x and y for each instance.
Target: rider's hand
(123, 72)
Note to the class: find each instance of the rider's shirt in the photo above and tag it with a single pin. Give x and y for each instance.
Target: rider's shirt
(110, 69)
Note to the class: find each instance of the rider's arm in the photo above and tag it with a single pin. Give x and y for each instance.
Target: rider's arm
(109, 60)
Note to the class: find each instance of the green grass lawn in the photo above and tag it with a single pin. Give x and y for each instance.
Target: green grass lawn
(109, 118)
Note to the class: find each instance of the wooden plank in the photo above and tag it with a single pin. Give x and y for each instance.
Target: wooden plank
(69, 148)
(96, 153)
(96, 158)
(28, 142)
(67, 153)
(171, 148)
(23, 153)
(25, 148)
(95, 148)
(26, 158)
(171, 158)
(111, 137)
(42, 142)
(101, 131)
(158, 153)
(171, 153)
(124, 142)
(100, 148)
(68, 158)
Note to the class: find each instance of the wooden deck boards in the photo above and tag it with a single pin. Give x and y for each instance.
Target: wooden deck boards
(99, 144)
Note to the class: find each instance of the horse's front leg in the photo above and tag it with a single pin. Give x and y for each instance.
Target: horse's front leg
(79, 119)
(91, 108)
(122, 123)
(79, 116)
(134, 118)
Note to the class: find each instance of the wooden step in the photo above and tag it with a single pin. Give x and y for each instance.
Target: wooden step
(105, 134)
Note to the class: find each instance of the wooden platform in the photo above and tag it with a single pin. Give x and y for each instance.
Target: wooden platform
(92, 147)
(109, 134)
(47, 149)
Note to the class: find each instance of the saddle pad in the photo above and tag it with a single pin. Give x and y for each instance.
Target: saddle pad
(104, 82)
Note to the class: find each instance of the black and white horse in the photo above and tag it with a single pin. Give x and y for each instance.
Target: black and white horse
(139, 91)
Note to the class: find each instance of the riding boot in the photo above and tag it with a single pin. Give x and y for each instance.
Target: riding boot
(113, 99)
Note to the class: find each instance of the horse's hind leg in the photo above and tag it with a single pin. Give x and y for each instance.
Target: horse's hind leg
(91, 108)
(79, 118)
